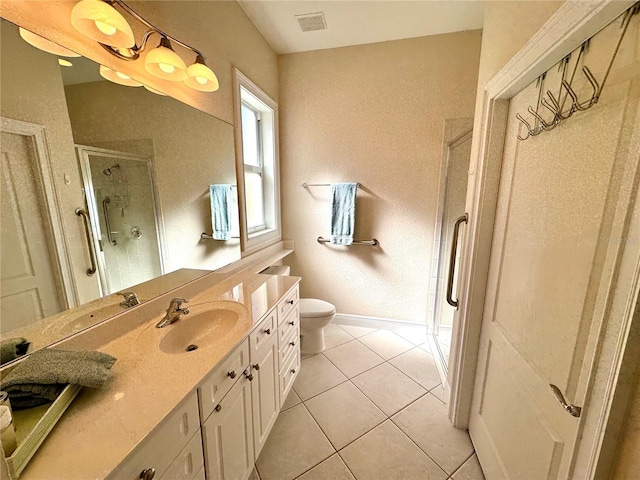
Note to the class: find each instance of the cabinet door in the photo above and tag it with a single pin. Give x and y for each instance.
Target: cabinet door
(228, 435)
(265, 393)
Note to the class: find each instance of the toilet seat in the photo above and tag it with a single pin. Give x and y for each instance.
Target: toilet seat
(314, 308)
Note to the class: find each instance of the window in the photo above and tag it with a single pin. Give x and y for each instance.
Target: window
(257, 165)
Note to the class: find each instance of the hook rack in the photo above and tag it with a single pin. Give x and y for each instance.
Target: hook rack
(556, 105)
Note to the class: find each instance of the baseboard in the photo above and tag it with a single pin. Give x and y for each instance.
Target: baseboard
(373, 322)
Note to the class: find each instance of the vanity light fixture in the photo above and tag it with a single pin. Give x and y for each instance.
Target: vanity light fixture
(163, 62)
(45, 45)
(118, 77)
(101, 21)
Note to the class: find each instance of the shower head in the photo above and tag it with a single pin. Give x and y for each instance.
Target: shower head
(108, 172)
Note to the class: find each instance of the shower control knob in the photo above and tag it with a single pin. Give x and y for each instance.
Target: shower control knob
(148, 474)
(231, 374)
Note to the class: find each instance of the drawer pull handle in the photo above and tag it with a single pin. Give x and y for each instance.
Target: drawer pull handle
(290, 302)
(247, 375)
(257, 366)
(268, 331)
(218, 408)
(292, 323)
(293, 344)
(231, 374)
(148, 474)
(293, 370)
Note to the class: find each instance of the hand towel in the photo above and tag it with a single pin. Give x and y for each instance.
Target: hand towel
(13, 348)
(343, 213)
(41, 377)
(220, 211)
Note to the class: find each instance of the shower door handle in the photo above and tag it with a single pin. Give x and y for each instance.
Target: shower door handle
(107, 220)
(452, 259)
(87, 231)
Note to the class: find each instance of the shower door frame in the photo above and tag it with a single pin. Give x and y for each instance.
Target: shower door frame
(83, 152)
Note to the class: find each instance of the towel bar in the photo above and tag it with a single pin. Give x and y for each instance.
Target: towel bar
(305, 185)
(373, 242)
(204, 236)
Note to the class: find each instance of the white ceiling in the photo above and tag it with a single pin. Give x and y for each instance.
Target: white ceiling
(355, 22)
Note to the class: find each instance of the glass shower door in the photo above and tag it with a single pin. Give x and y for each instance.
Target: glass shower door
(455, 193)
(120, 196)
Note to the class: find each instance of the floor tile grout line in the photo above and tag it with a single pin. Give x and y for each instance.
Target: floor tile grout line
(345, 464)
(365, 396)
(418, 446)
(462, 464)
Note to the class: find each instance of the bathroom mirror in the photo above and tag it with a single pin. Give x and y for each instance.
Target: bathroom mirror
(138, 163)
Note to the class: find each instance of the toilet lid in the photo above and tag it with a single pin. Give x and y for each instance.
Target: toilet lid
(312, 307)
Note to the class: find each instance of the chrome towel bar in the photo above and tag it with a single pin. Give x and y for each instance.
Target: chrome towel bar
(305, 185)
(205, 236)
(373, 242)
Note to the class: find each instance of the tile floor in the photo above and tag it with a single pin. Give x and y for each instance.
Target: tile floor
(370, 407)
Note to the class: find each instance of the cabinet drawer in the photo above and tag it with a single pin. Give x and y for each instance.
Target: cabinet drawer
(265, 331)
(189, 461)
(159, 449)
(288, 375)
(200, 475)
(287, 303)
(220, 381)
(288, 345)
(291, 322)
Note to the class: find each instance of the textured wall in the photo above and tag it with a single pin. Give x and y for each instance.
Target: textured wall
(372, 114)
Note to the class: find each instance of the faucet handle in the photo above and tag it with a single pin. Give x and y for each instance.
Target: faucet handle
(177, 302)
(130, 299)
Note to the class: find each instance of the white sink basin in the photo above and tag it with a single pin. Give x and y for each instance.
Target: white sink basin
(205, 325)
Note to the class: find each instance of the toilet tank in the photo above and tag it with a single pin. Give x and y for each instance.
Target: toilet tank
(277, 270)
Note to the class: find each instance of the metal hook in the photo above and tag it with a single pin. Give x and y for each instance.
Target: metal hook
(526, 124)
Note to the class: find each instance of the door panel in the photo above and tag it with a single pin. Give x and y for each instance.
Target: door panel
(552, 267)
(29, 281)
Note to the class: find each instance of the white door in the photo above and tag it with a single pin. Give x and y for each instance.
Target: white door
(563, 204)
(30, 286)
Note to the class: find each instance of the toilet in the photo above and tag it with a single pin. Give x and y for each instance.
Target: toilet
(314, 316)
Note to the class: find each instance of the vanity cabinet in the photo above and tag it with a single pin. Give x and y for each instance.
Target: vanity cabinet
(228, 435)
(219, 431)
(157, 454)
(265, 390)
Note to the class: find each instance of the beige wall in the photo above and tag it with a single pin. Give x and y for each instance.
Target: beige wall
(220, 29)
(373, 114)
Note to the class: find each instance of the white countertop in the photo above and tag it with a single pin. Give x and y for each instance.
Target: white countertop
(102, 427)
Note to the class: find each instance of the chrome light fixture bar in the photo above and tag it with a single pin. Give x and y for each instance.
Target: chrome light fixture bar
(102, 22)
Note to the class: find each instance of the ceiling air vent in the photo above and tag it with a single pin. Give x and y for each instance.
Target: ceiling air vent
(310, 22)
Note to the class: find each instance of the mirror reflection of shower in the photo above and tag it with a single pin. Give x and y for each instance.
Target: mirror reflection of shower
(108, 171)
(120, 195)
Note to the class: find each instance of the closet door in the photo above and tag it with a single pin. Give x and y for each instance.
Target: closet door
(563, 214)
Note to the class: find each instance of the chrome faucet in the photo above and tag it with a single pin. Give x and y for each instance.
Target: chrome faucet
(174, 312)
(130, 299)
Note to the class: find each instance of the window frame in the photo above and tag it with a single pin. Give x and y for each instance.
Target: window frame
(249, 94)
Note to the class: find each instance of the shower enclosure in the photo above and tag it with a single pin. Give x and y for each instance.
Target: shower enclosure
(120, 196)
(452, 207)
